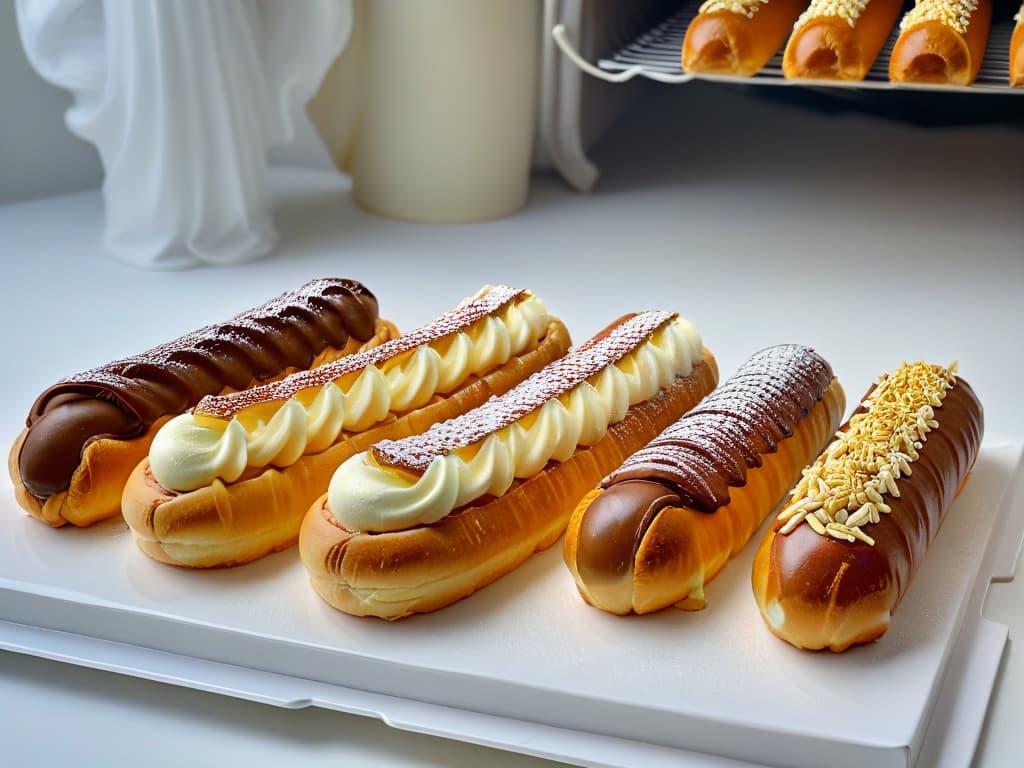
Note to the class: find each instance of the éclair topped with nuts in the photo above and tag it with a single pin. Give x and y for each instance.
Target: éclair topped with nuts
(742, 7)
(955, 14)
(848, 486)
(847, 10)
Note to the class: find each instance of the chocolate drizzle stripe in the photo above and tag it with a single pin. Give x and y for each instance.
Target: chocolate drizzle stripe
(579, 364)
(226, 406)
(712, 446)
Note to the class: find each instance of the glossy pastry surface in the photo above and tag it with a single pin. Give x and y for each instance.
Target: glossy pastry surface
(941, 42)
(737, 37)
(839, 39)
(1017, 49)
(837, 561)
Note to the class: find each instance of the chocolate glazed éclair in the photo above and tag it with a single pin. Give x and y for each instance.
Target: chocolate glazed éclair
(123, 399)
(695, 461)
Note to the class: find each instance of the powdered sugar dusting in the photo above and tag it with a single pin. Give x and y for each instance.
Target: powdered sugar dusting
(491, 302)
(579, 364)
(711, 447)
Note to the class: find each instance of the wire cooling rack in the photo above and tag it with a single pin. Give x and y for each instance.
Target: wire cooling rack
(656, 53)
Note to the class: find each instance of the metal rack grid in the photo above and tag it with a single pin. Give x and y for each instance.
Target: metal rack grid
(656, 54)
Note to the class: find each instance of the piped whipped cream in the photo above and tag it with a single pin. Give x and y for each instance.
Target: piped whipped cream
(366, 495)
(193, 449)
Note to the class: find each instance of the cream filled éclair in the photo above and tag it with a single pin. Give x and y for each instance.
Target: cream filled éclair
(230, 480)
(415, 524)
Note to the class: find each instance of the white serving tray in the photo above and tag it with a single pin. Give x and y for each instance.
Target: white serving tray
(524, 665)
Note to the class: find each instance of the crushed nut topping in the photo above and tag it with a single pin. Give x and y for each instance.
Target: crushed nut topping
(847, 10)
(743, 7)
(846, 488)
(955, 14)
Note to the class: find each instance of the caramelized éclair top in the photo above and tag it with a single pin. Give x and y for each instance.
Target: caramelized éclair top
(711, 447)
(489, 302)
(415, 453)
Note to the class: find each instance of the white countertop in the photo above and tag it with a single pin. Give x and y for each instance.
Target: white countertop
(869, 240)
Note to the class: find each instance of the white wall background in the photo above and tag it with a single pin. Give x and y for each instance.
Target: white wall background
(38, 155)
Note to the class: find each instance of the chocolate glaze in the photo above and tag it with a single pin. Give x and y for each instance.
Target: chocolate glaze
(694, 461)
(124, 398)
(615, 524)
(819, 570)
(712, 446)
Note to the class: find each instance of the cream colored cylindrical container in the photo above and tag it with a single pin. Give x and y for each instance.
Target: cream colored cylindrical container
(444, 96)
